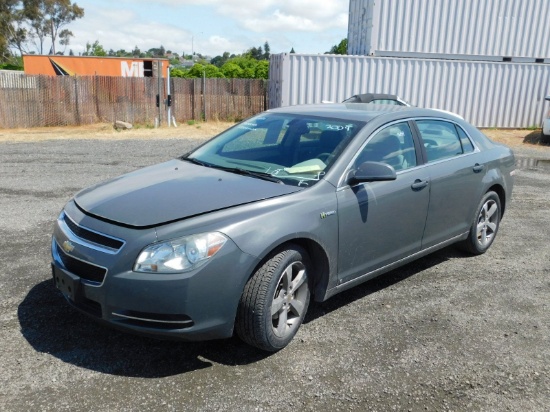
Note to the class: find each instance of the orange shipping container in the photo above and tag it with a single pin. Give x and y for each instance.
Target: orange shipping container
(93, 66)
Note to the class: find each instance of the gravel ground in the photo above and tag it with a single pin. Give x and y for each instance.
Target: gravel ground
(448, 332)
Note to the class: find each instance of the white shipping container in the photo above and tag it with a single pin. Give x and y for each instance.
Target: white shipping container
(503, 28)
(488, 94)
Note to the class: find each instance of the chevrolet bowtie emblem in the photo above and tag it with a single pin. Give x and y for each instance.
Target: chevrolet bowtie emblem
(67, 246)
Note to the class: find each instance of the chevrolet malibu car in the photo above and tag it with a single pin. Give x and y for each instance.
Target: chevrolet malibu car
(293, 204)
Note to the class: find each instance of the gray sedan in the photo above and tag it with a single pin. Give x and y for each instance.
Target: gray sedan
(293, 204)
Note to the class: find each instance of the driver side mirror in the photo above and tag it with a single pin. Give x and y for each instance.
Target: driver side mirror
(547, 98)
(372, 172)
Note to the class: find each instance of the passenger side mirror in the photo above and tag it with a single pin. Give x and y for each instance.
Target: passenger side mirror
(372, 172)
(547, 98)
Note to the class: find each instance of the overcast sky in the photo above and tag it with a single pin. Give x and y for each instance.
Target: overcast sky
(211, 27)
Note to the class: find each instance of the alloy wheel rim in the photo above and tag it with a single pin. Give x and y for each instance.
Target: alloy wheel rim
(487, 223)
(289, 300)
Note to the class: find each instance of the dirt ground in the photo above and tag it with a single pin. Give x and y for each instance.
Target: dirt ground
(106, 131)
(199, 130)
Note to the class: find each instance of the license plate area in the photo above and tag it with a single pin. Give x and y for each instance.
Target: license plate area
(67, 283)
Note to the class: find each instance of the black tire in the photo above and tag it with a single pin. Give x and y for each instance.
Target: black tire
(275, 300)
(544, 138)
(485, 225)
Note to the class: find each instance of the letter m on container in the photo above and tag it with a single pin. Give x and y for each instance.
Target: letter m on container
(131, 69)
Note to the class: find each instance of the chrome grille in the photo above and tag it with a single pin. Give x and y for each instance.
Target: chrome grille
(92, 236)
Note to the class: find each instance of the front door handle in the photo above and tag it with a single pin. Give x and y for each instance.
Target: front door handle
(478, 168)
(419, 184)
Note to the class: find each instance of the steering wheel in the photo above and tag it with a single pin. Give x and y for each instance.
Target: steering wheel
(325, 157)
(430, 143)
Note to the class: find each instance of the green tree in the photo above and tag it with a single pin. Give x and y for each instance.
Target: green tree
(213, 71)
(15, 63)
(156, 52)
(341, 48)
(13, 28)
(199, 70)
(219, 61)
(178, 72)
(65, 38)
(246, 67)
(94, 49)
(267, 51)
(262, 70)
(232, 70)
(255, 53)
(6, 17)
(48, 17)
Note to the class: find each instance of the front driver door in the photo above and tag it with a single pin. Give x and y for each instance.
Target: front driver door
(382, 222)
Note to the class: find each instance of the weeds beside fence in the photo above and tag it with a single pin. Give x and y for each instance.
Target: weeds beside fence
(32, 101)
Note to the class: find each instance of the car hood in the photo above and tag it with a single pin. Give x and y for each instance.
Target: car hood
(173, 191)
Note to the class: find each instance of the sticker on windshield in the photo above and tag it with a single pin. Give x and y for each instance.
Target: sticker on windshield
(248, 126)
(347, 127)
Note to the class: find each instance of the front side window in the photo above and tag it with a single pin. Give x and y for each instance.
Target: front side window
(392, 145)
(443, 140)
(290, 148)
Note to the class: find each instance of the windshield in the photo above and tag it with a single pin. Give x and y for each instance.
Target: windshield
(284, 148)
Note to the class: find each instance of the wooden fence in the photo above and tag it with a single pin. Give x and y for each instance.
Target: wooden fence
(32, 101)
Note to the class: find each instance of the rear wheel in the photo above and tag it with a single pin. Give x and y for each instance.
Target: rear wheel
(275, 300)
(485, 226)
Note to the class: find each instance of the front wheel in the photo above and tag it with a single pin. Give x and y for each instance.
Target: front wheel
(275, 300)
(485, 226)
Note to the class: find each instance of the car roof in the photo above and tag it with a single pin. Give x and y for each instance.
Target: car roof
(360, 111)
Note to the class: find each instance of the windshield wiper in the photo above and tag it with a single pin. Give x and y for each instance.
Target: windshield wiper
(195, 161)
(237, 170)
(245, 172)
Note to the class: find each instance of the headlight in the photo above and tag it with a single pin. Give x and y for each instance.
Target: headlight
(179, 255)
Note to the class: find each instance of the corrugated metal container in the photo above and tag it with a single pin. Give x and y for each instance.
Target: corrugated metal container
(360, 26)
(506, 28)
(488, 94)
(11, 79)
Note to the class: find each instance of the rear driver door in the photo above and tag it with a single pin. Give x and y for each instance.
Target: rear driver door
(456, 170)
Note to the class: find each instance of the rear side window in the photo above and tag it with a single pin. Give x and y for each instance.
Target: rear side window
(467, 145)
(443, 140)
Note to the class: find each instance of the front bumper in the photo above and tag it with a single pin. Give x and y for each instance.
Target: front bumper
(195, 305)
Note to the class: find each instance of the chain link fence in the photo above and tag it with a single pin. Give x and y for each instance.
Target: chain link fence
(33, 101)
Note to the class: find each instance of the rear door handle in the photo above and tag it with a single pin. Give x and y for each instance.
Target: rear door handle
(419, 184)
(478, 168)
